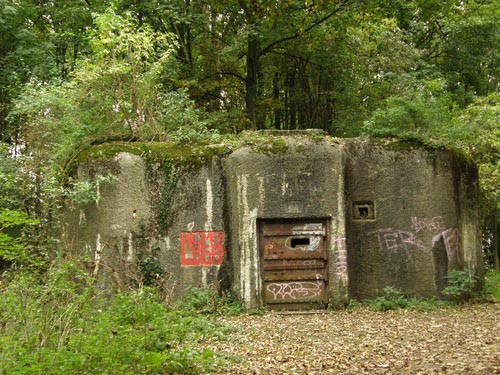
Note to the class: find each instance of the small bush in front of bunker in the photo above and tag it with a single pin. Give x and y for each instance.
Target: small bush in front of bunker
(208, 301)
(460, 286)
(392, 299)
(492, 284)
(151, 271)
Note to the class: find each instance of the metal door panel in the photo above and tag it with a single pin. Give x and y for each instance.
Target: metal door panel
(294, 274)
(297, 264)
(294, 262)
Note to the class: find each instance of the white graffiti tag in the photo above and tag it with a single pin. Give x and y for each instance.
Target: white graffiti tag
(341, 258)
(394, 239)
(295, 290)
(452, 244)
(422, 225)
(314, 243)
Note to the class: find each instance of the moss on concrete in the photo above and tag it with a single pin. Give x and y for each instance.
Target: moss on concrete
(178, 153)
(431, 146)
(265, 142)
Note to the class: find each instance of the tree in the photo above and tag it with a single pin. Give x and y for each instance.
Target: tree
(269, 25)
(15, 220)
(40, 41)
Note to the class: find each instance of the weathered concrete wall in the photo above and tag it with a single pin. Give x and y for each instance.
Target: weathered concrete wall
(306, 181)
(385, 217)
(106, 231)
(187, 235)
(146, 216)
(415, 232)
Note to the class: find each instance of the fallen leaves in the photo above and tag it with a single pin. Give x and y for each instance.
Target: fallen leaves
(459, 340)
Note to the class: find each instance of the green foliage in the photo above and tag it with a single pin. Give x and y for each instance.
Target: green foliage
(179, 120)
(16, 225)
(151, 271)
(477, 132)
(353, 305)
(57, 325)
(13, 247)
(418, 115)
(492, 284)
(11, 218)
(115, 93)
(84, 192)
(14, 188)
(393, 299)
(208, 301)
(460, 286)
(41, 41)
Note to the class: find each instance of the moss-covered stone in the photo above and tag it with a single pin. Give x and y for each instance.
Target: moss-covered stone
(178, 153)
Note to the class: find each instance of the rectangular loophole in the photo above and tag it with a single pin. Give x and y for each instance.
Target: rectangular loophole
(363, 210)
(300, 241)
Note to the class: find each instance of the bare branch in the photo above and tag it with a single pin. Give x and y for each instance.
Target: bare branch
(232, 74)
(299, 33)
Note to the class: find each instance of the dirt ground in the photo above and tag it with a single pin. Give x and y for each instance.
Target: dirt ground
(458, 340)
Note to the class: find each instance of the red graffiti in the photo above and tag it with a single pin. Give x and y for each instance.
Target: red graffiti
(202, 248)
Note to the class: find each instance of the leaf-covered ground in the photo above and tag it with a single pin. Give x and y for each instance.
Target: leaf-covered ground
(458, 340)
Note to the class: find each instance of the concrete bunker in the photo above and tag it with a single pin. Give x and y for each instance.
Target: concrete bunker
(312, 223)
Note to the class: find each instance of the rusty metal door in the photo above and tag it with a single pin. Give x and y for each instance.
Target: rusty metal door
(294, 263)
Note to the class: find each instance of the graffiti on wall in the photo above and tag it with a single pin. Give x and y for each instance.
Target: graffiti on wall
(395, 239)
(452, 244)
(399, 240)
(202, 248)
(295, 290)
(341, 258)
(425, 225)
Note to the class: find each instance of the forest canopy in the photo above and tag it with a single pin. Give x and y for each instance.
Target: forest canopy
(75, 72)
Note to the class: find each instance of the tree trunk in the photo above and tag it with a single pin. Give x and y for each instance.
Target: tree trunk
(293, 101)
(251, 78)
(496, 238)
(276, 98)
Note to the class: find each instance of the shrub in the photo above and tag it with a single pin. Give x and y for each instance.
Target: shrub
(392, 299)
(460, 286)
(208, 300)
(492, 284)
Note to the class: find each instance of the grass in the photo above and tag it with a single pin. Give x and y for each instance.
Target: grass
(492, 284)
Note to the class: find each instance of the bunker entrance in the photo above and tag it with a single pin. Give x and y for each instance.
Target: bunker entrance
(294, 263)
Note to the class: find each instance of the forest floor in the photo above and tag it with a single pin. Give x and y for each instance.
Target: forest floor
(453, 340)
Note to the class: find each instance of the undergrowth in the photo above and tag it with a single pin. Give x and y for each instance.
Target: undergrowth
(492, 285)
(393, 299)
(208, 301)
(461, 287)
(57, 324)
